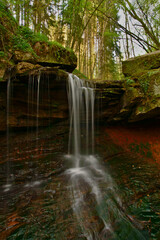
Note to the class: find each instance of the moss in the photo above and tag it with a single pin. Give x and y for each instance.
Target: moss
(56, 44)
(79, 74)
(19, 38)
(19, 43)
(7, 27)
(30, 36)
(147, 79)
(3, 54)
(140, 109)
(144, 84)
(154, 100)
(129, 81)
(136, 66)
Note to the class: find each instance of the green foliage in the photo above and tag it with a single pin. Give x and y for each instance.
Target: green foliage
(4, 10)
(25, 37)
(7, 21)
(56, 44)
(145, 80)
(26, 33)
(111, 34)
(129, 81)
(142, 148)
(30, 36)
(39, 37)
(79, 74)
(19, 43)
(2, 54)
(144, 83)
(140, 108)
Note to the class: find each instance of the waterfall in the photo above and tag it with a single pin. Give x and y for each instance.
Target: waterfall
(81, 105)
(8, 110)
(93, 193)
(38, 89)
(8, 181)
(33, 101)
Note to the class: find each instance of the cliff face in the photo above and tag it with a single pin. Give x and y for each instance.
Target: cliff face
(143, 78)
(38, 99)
(137, 97)
(33, 74)
(33, 82)
(33, 91)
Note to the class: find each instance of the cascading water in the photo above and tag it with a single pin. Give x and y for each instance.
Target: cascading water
(38, 89)
(33, 100)
(33, 112)
(8, 181)
(94, 197)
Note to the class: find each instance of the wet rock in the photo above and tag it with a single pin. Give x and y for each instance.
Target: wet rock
(3, 118)
(23, 111)
(2, 72)
(143, 112)
(6, 68)
(109, 94)
(109, 84)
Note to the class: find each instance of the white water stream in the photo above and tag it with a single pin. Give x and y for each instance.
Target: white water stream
(8, 180)
(94, 197)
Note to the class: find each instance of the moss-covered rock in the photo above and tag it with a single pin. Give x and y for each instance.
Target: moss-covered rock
(21, 44)
(20, 56)
(26, 67)
(132, 97)
(5, 69)
(149, 110)
(150, 105)
(8, 26)
(136, 66)
(142, 95)
(52, 54)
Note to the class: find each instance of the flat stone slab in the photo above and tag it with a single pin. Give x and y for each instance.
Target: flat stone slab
(135, 66)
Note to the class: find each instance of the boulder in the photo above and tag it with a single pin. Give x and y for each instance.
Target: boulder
(21, 56)
(150, 106)
(46, 54)
(132, 97)
(26, 67)
(136, 98)
(135, 66)
(54, 54)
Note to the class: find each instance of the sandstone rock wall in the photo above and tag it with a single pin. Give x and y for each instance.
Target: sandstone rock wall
(137, 97)
(23, 109)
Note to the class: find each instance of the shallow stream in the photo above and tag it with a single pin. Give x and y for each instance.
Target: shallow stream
(37, 202)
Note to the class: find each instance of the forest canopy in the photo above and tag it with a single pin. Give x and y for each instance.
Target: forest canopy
(101, 32)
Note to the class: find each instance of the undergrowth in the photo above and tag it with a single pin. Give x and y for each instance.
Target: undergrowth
(15, 37)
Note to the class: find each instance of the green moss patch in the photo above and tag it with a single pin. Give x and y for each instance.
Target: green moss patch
(22, 39)
(79, 74)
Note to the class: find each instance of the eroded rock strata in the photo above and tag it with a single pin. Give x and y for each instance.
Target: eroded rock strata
(137, 97)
